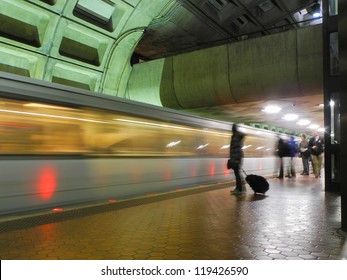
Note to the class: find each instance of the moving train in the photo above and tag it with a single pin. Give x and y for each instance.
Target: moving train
(63, 146)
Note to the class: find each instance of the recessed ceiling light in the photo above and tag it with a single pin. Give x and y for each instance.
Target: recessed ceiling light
(271, 109)
(303, 122)
(290, 117)
(314, 10)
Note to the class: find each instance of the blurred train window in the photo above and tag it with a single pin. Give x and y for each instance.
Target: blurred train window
(41, 129)
(96, 12)
(26, 128)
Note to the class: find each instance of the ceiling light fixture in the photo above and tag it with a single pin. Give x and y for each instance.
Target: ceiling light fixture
(271, 109)
(290, 117)
(314, 10)
(303, 122)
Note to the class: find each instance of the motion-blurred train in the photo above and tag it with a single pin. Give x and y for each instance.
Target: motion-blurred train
(62, 146)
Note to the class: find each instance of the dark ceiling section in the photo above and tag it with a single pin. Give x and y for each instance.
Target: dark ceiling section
(196, 24)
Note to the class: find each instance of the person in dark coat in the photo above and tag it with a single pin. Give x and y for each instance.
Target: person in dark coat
(236, 157)
(316, 148)
(304, 154)
(293, 151)
(281, 153)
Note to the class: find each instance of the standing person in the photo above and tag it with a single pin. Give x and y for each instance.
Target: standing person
(280, 154)
(305, 154)
(293, 150)
(316, 148)
(236, 157)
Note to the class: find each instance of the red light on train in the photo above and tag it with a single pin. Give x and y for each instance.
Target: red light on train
(167, 175)
(212, 170)
(47, 182)
(193, 171)
(150, 194)
(58, 209)
(112, 201)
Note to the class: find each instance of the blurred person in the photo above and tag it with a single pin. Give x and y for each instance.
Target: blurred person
(292, 152)
(236, 158)
(283, 152)
(304, 154)
(280, 154)
(316, 148)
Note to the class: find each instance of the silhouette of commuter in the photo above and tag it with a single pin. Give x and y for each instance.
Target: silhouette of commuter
(293, 150)
(236, 157)
(304, 154)
(281, 153)
(316, 148)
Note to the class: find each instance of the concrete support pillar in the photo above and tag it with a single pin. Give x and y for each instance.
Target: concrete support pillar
(342, 27)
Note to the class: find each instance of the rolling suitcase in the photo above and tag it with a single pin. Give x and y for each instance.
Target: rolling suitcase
(258, 183)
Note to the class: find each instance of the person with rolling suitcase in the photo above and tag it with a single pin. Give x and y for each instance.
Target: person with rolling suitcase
(236, 158)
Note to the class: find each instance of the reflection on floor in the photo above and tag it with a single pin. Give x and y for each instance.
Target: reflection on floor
(296, 219)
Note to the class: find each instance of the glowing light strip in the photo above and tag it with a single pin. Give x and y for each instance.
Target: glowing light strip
(171, 126)
(246, 147)
(50, 116)
(259, 148)
(225, 147)
(172, 144)
(39, 105)
(202, 146)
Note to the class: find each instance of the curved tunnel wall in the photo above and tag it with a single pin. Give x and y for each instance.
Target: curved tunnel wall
(282, 65)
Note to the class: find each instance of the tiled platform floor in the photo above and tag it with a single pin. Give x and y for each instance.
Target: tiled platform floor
(295, 220)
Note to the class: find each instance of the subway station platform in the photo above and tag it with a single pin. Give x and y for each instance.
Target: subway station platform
(295, 220)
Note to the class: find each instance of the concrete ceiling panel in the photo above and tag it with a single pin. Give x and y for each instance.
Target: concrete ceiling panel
(310, 62)
(146, 88)
(264, 68)
(201, 78)
(167, 90)
(72, 75)
(77, 44)
(21, 62)
(27, 26)
(56, 6)
(84, 15)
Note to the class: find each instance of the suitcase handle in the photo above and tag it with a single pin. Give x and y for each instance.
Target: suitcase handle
(243, 171)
